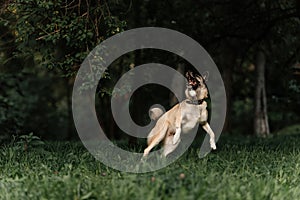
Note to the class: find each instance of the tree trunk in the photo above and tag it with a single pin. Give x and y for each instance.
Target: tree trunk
(229, 62)
(261, 124)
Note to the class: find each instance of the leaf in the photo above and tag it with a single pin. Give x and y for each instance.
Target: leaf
(86, 196)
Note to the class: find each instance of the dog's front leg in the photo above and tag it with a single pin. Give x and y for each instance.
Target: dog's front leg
(207, 128)
(177, 130)
(169, 147)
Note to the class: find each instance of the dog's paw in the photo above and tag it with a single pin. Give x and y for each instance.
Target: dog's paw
(176, 136)
(146, 152)
(213, 146)
(175, 140)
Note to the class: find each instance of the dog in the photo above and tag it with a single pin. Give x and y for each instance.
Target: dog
(182, 118)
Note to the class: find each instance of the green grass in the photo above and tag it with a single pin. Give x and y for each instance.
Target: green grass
(241, 168)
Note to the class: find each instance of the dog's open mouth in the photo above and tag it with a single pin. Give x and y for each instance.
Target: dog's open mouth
(192, 84)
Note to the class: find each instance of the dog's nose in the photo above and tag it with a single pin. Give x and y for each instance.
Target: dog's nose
(192, 83)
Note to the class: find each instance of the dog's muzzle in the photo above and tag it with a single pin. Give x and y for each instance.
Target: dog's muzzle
(192, 87)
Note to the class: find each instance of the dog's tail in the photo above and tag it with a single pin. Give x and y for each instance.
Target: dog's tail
(158, 134)
(156, 113)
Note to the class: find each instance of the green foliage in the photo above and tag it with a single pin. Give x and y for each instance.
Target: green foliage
(242, 168)
(294, 86)
(55, 35)
(15, 109)
(28, 141)
(60, 34)
(293, 129)
(32, 102)
(242, 109)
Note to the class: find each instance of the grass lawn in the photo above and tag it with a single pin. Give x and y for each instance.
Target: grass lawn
(241, 168)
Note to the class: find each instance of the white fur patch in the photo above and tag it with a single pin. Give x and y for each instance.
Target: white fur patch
(177, 135)
(192, 93)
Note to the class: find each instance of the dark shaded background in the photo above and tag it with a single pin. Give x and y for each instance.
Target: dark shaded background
(44, 42)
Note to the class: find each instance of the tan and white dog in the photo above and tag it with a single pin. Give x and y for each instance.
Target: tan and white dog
(182, 118)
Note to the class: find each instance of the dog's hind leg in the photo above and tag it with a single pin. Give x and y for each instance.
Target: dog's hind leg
(156, 138)
(212, 142)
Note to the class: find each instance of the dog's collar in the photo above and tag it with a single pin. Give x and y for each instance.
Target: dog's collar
(195, 102)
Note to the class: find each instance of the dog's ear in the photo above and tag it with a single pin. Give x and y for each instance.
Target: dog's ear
(199, 78)
(189, 74)
(205, 76)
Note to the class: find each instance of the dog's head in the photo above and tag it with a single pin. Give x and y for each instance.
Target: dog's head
(196, 80)
(196, 88)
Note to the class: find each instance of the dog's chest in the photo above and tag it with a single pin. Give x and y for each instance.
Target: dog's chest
(190, 118)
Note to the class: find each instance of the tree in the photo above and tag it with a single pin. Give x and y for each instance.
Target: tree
(261, 122)
(54, 35)
(58, 35)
